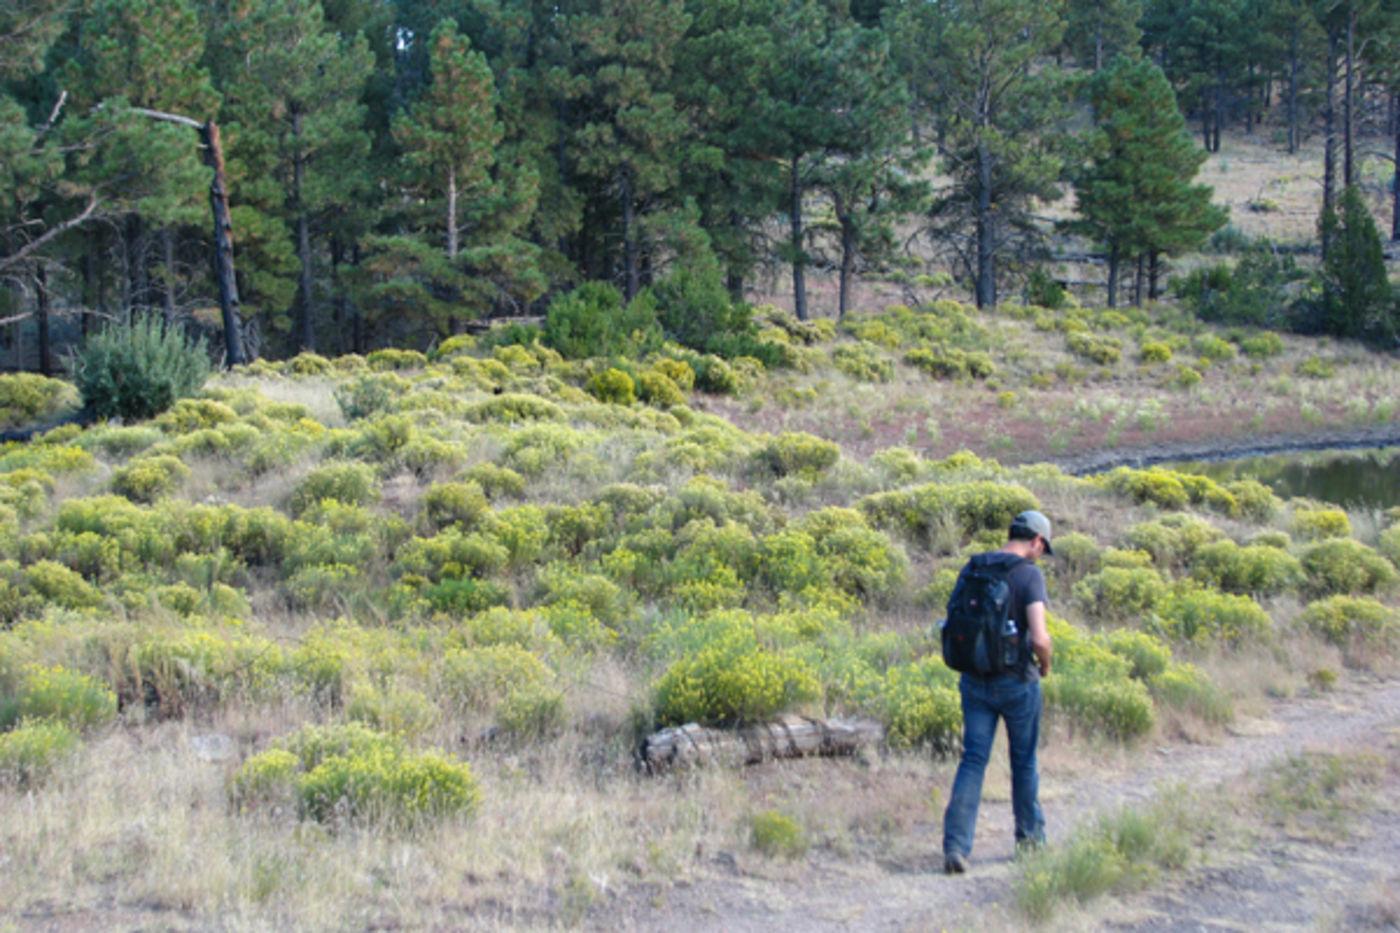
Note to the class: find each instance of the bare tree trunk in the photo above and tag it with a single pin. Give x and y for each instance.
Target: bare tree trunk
(41, 288)
(1293, 69)
(799, 284)
(1395, 179)
(1138, 282)
(734, 281)
(308, 329)
(223, 247)
(1329, 131)
(1154, 268)
(986, 231)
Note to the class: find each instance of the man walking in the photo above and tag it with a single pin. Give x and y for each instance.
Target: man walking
(1012, 695)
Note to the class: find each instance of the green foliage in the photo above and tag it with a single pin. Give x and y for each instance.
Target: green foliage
(863, 361)
(56, 694)
(33, 751)
(61, 586)
(350, 483)
(138, 370)
(1315, 367)
(1184, 687)
(1355, 298)
(1093, 683)
(1154, 353)
(391, 358)
(796, 453)
(656, 388)
(148, 478)
(1212, 348)
(613, 386)
(777, 835)
(1172, 539)
(1096, 349)
(1192, 615)
(951, 363)
(725, 675)
(1359, 625)
(594, 321)
(1255, 500)
(27, 397)
(1255, 293)
(1321, 523)
(513, 407)
(1120, 594)
(920, 706)
(924, 512)
(353, 774)
(1262, 346)
(1343, 565)
(368, 395)
(1254, 569)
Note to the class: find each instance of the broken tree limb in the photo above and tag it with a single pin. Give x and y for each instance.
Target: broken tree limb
(785, 737)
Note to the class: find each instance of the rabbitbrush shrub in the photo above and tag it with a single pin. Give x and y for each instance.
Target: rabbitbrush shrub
(32, 751)
(1120, 593)
(1359, 625)
(136, 371)
(58, 694)
(25, 397)
(352, 773)
(1190, 614)
(148, 478)
(1344, 565)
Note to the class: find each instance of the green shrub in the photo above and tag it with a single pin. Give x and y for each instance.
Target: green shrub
(1119, 708)
(138, 370)
(190, 414)
(1262, 345)
(777, 835)
(26, 397)
(1147, 656)
(1322, 523)
(150, 477)
(923, 512)
(796, 452)
(1154, 353)
(353, 774)
(351, 483)
(1172, 539)
(1255, 500)
(1210, 347)
(33, 751)
(656, 388)
(613, 386)
(480, 678)
(368, 395)
(532, 712)
(593, 320)
(1389, 544)
(1360, 626)
(863, 361)
(1184, 687)
(1315, 367)
(1163, 488)
(1186, 377)
(727, 676)
(1343, 565)
(1077, 555)
(60, 695)
(61, 586)
(1254, 569)
(1096, 349)
(387, 358)
(1191, 615)
(446, 504)
(1120, 594)
(513, 407)
(496, 480)
(920, 706)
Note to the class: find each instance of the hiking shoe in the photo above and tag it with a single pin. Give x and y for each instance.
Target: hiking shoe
(955, 864)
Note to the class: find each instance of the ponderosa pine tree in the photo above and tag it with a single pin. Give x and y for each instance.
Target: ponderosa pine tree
(1135, 193)
(995, 111)
(298, 125)
(1356, 298)
(1097, 31)
(459, 251)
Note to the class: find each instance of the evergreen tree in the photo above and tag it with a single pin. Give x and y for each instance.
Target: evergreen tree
(1135, 194)
(1097, 31)
(1355, 296)
(297, 125)
(458, 252)
(994, 109)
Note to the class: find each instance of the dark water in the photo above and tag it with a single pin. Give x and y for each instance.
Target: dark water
(1364, 478)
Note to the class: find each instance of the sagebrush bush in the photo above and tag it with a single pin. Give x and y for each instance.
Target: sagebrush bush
(1321, 523)
(1120, 594)
(1362, 627)
(58, 694)
(1155, 352)
(354, 774)
(1185, 687)
(1172, 539)
(776, 834)
(351, 483)
(796, 452)
(25, 397)
(613, 386)
(1192, 615)
(923, 511)
(368, 395)
(150, 477)
(33, 751)
(919, 705)
(136, 371)
(1255, 569)
(1344, 565)
(459, 503)
(863, 361)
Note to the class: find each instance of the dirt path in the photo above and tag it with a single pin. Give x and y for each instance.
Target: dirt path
(1299, 885)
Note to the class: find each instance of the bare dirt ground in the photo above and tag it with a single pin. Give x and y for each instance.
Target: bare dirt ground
(1250, 877)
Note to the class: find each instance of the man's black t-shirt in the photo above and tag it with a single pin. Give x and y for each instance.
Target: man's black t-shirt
(1027, 586)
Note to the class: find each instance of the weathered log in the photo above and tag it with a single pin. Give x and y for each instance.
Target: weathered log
(786, 737)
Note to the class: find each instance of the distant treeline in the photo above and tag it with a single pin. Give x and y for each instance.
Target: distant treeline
(397, 168)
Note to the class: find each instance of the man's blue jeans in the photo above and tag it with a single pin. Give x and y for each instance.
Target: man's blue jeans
(984, 701)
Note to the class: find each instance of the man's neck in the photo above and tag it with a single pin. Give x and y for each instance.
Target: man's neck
(1020, 547)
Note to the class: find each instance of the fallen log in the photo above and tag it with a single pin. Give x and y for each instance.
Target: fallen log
(786, 737)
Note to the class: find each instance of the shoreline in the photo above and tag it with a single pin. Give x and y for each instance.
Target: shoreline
(1102, 461)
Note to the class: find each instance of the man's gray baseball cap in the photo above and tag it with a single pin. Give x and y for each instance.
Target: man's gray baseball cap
(1034, 522)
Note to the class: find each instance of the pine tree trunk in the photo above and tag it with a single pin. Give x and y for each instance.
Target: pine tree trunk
(631, 275)
(1293, 68)
(1113, 276)
(734, 281)
(1154, 269)
(1329, 136)
(308, 331)
(137, 288)
(848, 262)
(986, 232)
(1138, 282)
(799, 285)
(167, 244)
(452, 212)
(1395, 179)
(41, 283)
(1348, 99)
(92, 288)
(223, 247)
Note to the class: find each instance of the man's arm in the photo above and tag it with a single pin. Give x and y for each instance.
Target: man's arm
(1040, 636)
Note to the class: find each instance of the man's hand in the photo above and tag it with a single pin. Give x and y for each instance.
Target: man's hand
(1040, 637)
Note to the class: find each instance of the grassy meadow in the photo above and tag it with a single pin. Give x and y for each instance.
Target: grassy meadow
(372, 641)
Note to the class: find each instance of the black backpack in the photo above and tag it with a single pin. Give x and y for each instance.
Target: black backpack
(979, 636)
